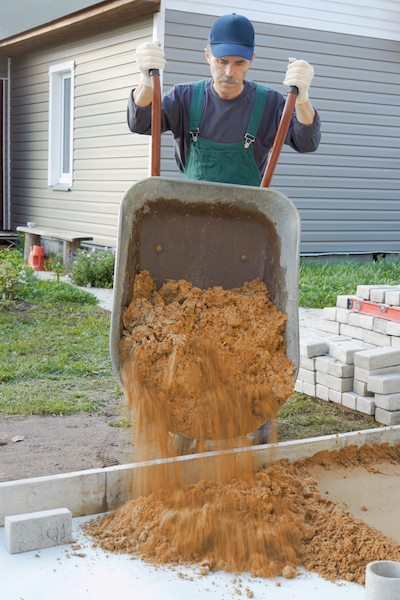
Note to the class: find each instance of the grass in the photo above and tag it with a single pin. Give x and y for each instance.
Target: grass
(320, 282)
(55, 359)
(303, 417)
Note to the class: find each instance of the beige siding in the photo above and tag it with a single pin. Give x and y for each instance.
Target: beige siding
(107, 157)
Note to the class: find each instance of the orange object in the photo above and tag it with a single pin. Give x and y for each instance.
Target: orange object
(36, 258)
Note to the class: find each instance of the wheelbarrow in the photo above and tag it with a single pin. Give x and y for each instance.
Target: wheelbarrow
(210, 234)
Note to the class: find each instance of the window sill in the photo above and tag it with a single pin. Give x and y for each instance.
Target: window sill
(60, 187)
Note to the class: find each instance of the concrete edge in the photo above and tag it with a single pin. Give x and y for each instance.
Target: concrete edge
(99, 490)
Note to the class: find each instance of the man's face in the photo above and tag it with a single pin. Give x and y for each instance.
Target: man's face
(228, 73)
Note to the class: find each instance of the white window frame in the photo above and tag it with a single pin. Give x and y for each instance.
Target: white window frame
(58, 178)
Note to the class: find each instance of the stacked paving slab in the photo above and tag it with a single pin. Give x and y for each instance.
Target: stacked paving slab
(354, 359)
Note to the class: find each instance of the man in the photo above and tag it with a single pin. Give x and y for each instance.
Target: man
(224, 127)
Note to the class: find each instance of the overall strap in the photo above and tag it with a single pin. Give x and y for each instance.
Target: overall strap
(256, 114)
(196, 107)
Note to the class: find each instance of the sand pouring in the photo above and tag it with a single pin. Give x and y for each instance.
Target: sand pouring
(382, 580)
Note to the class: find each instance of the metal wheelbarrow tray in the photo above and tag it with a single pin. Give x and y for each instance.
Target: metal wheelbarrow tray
(210, 235)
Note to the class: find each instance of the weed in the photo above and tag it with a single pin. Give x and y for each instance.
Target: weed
(94, 268)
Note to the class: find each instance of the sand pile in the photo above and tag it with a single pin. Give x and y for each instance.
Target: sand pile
(211, 362)
(261, 523)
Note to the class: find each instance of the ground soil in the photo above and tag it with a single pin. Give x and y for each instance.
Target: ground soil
(62, 444)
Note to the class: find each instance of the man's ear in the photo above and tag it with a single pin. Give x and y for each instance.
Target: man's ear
(208, 54)
(254, 55)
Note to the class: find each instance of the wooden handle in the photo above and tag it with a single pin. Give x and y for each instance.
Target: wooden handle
(155, 122)
(280, 136)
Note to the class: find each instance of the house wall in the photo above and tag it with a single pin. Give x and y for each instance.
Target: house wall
(3, 67)
(4, 145)
(107, 157)
(348, 191)
(372, 18)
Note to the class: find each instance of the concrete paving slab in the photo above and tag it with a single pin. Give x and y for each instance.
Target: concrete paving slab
(88, 573)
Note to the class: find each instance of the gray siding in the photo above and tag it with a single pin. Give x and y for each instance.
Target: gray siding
(348, 192)
(107, 157)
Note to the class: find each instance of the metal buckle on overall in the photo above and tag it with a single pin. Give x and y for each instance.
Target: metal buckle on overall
(195, 134)
(248, 139)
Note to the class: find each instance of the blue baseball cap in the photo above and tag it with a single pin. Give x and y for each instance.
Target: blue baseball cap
(232, 35)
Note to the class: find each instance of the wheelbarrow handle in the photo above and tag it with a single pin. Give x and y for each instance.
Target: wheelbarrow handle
(155, 122)
(280, 136)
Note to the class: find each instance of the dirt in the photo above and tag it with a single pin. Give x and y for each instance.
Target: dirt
(267, 523)
(61, 444)
(211, 362)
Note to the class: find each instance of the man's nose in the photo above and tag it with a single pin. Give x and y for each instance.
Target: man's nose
(229, 70)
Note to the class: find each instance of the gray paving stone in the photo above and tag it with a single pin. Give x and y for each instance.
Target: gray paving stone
(33, 531)
(334, 383)
(340, 369)
(322, 363)
(342, 315)
(344, 351)
(378, 358)
(351, 331)
(298, 386)
(365, 405)
(329, 313)
(393, 298)
(364, 291)
(361, 388)
(312, 347)
(306, 376)
(387, 401)
(307, 363)
(363, 374)
(308, 389)
(349, 400)
(378, 339)
(378, 294)
(335, 396)
(380, 325)
(328, 326)
(384, 384)
(360, 320)
(387, 417)
(322, 392)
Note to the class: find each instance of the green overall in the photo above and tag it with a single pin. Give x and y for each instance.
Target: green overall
(224, 163)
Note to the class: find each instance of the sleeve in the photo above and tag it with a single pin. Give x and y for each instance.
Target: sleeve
(304, 138)
(174, 107)
(175, 113)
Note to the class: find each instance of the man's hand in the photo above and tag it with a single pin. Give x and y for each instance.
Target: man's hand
(300, 74)
(149, 56)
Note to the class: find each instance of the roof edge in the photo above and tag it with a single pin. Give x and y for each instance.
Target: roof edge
(102, 16)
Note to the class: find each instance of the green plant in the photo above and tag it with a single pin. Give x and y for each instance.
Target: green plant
(14, 273)
(94, 268)
(54, 263)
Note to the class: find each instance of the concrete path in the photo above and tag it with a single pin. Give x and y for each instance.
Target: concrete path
(81, 572)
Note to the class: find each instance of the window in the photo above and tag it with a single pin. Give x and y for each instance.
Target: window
(61, 113)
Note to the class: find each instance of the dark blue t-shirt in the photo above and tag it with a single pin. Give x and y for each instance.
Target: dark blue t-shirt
(224, 121)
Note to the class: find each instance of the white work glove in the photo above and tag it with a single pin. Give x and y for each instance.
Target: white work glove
(300, 74)
(149, 56)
